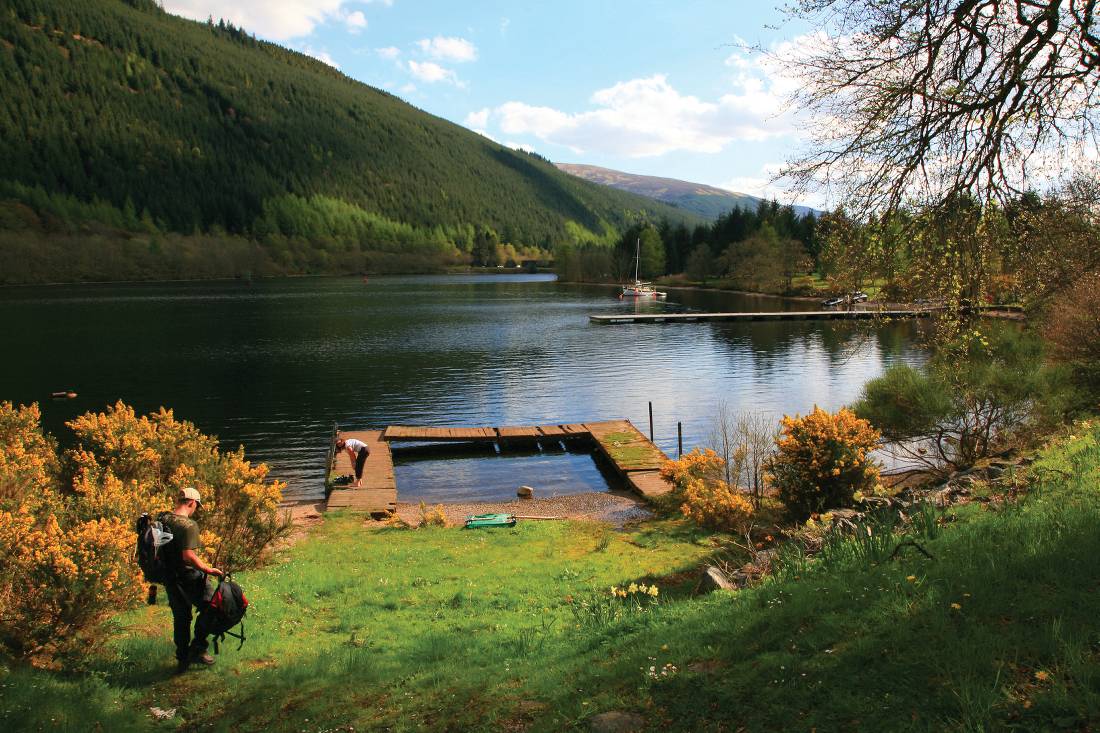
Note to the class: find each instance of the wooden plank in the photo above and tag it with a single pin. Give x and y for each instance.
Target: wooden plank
(441, 434)
(378, 493)
(648, 483)
(519, 432)
(765, 316)
(551, 431)
(575, 429)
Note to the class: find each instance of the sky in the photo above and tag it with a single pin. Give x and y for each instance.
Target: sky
(656, 88)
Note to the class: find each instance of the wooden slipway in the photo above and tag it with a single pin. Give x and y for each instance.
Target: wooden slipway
(633, 456)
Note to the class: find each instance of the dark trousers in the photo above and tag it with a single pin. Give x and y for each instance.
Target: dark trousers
(181, 598)
(360, 459)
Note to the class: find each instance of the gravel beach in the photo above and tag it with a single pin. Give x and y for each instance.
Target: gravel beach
(615, 507)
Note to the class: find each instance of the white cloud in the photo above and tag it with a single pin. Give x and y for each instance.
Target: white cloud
(649, 116)
(764, 185)
(478, 119)
(356, 21)
(321, 55)
(521, 146)
(407, 89)
(276, 19)
(389, 52)
(448, 49)
(431, 72)
(646, 117)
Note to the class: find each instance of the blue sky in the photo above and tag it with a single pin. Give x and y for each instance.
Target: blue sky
(658, 88)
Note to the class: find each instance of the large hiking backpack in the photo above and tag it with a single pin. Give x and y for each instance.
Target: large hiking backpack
(225, 610)
(152, 535)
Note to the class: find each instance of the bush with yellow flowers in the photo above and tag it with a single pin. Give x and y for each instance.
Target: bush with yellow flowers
(124, 465)
(67, 537)
(704, 497)
(822, 460)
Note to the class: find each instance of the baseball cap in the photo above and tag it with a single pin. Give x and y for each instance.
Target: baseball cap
(189, 493)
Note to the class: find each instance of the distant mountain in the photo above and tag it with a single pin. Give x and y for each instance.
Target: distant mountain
(707, 201)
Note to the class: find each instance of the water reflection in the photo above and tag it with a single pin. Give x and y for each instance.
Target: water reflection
(274, 364)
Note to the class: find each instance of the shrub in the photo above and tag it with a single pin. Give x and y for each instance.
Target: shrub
(822, 460)
(59, 579)
(704, 497)
(66, 540)
(28, 459)
(432, 517)
(124, 465)
(1073, 332)
(968, 401)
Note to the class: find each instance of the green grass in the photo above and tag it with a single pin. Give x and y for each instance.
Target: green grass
(447, 629)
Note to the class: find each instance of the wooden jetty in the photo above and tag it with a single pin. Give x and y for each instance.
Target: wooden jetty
(851, 315)
(378, 494)
(633, 456)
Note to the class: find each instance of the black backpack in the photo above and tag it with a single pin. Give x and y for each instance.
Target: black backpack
(226, 609)
(152, 536)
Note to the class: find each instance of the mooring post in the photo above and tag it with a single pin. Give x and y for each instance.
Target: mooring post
(679, 440)
(651, 422)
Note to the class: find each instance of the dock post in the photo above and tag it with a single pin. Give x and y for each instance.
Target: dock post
(679, 440)
(651, 422)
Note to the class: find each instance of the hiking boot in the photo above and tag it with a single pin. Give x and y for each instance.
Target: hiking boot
(182, 665)
(204, 659)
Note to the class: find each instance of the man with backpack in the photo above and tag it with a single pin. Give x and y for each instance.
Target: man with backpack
(186, 581)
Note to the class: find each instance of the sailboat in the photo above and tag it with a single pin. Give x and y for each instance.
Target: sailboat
(640, 289)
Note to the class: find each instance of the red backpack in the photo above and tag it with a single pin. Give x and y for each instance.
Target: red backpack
(225, 610)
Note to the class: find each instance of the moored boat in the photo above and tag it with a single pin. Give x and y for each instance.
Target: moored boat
(640, 289)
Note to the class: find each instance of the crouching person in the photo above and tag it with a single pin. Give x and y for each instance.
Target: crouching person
(187, 585)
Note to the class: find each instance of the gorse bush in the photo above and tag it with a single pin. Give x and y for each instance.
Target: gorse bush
(66, 534)
(704, 496)
(822, 460)
(124, 464)
(59, 572)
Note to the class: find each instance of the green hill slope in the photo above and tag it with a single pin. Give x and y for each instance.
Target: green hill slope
(115, 111)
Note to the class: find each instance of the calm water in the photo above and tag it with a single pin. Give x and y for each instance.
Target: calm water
(272, 365)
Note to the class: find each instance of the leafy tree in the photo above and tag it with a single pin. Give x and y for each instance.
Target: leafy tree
(700, 264)
(486, 244)
(970, 400)
(935, 99)
(652, 255)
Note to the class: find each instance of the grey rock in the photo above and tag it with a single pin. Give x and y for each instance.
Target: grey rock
(525, 492)
(615, 721)
(715, 579)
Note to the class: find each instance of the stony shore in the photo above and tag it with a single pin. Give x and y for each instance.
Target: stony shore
(615, 507)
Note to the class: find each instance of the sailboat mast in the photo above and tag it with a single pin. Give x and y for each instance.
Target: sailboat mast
(637, 257)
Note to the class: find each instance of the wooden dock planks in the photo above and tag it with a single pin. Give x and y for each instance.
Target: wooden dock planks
(768, 316)
(378, 494)
(415, 433)
(631, 454)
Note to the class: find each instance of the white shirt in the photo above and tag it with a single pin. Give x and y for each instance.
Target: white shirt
(355, 445)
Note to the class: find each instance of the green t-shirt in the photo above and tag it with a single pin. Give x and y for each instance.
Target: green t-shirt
(185, 536)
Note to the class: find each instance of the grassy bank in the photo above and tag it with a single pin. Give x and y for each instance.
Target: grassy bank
(444, 629)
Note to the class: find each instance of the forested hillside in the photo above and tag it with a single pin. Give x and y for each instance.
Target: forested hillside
(118, 117)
